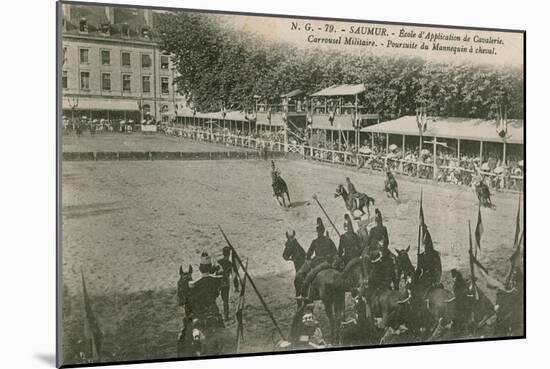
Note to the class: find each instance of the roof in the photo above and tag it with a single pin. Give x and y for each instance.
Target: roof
(457, 128)
(293, 93)
(341, 90)
(89, 103)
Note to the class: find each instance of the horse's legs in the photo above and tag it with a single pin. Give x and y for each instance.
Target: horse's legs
(328, 302)
(288, 196)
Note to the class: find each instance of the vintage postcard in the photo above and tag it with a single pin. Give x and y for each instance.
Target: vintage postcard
(236, 184)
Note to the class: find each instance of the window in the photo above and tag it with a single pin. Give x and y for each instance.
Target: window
(64, 81)
(105, 57)
(164, 63)
(106, 28)
(126, 83)
(125, 59)
(125, 29)
(83, 25)
(146, 84)
(84, 55)
(84, 80)
(106, 81)
(64, 55)
(164, 85)
(145, 61)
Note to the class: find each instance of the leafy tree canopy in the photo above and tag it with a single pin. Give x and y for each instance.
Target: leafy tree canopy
(220, 67)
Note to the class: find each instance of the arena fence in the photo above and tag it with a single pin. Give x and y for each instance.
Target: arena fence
(375, 162)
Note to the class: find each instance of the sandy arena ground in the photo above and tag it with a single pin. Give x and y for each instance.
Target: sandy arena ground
(130, 225)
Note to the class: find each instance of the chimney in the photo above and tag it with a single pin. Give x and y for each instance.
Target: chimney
(148, 15)
(67, 12)
(110, 14)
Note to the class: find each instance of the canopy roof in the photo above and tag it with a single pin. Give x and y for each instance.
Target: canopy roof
(341, 90)
(456, 128)
(88, 103)
(292, 93)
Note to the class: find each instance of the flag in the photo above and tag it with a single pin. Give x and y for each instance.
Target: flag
(91, 322)
(518, 225)
(479, 229)
(518, 240)
(420, 228)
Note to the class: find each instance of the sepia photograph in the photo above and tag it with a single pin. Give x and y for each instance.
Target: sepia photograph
(236, 184)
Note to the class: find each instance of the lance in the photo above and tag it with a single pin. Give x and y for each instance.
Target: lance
(266, 308)
(323, 209)
(239, 314)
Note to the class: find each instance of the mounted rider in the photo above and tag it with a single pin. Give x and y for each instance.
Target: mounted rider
(377, 252)
(377, 240)
(206, 290)
(429, 262)
(350, 245)
(353, 194)
(275, 175)
(227, 270)
(320, 255)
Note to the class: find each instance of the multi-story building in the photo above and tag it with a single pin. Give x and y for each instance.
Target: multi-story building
(113, 66)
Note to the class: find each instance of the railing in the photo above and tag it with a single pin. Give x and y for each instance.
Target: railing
(374, 162)
(226, 139)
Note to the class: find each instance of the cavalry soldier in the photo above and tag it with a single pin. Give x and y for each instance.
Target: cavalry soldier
(377, 251)
(463, 301)
(227, 270)
(377, 240)
(353, 194)
(275, 173)
(206, 290)
(429, 262)
(349, 246)
(324, 250)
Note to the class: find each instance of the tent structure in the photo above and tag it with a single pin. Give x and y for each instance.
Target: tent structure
(453, 128)
(457, 129)
(341, 90)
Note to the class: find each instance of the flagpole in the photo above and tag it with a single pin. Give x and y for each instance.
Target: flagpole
(323, 209)
(240, 327)
(471, 253)
(420, 230)
(266, 308)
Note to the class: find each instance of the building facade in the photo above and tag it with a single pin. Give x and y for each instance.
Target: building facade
(113, 66)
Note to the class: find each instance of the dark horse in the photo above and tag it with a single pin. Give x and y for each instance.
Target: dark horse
(199, 336)
(327, 286)
(390, 187)
(384, 302)
(280, 189)
(483, 194)
(351, 204)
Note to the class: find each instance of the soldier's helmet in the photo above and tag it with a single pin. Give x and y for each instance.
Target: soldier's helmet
(377, 216)
(320, 226)
(205, 265)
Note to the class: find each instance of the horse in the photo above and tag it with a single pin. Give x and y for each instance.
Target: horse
(483, 194)
(294, 252)
(430, 304)
(199, 335)
(327, 286)
(351, 204)
(390, 187)
(509, 313)
(280, 188)
(383, 301)
(403, 266)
